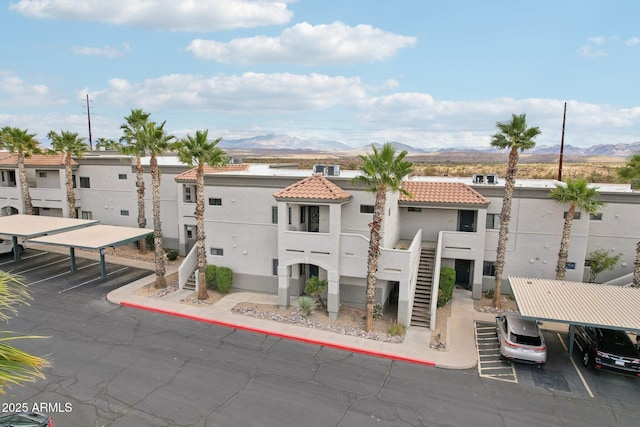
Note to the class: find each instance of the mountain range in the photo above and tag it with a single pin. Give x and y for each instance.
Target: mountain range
(293, 143)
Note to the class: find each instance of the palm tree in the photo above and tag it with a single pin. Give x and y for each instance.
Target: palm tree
(631, 171)
(131, 144)
(514, 135)
(71, 146)
(23, 144)
(197, 151)
(16, 366)
(577, 194)
(155, 139)
(381, 171)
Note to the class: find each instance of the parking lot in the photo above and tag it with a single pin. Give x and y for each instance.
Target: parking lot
(49, 272)
(561, 373)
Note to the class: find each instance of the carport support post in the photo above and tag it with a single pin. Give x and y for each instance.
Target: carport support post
(572, 333)
(72, 256)
(103, 267)
(16, 254)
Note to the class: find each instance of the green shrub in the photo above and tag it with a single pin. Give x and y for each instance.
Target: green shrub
(210, 276)
(151, 244)
(316, 288)
(489, 293)
(224, 279)
(306, 304)
(172, 254)
(447, 282)
(396, 328)
(377, 311)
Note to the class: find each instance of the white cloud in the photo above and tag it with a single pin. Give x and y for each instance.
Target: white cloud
(307, 44)
(244, 94)
(597, 40)
(108, 51)
(632, 41)
(16, 92)
(334, 107)
(591, 52)
(182, 15)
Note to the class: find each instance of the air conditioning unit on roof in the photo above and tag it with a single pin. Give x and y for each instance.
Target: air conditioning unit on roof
(320, 169)
(333, 170)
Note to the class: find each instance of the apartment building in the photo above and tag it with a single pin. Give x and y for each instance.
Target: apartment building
(277, 226)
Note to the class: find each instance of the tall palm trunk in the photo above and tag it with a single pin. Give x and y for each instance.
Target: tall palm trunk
(142, 219)
(26, 197)
(564, 243)
(636, 268)
(71, 195)
(161, 281)
(505, 217)
(200, 235)
(374, 253)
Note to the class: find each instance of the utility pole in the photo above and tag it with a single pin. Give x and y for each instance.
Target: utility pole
(89, 120)
(564, 119)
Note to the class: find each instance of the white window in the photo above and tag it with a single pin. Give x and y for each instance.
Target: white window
(493, 221)
(217, 251)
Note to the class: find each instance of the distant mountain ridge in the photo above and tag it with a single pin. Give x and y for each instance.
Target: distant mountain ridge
(286, 142)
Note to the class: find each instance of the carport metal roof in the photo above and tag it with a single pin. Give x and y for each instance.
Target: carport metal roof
(96, 237)
(577, 303)
(28, 226)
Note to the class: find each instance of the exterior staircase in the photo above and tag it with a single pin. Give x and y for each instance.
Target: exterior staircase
(190, 284)
(421, 314)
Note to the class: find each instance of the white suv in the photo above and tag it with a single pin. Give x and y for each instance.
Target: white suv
(6, 246)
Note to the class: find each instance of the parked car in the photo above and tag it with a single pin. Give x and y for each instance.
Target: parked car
(520, 339)
(26, 419)
(607, 349)
(6, 246)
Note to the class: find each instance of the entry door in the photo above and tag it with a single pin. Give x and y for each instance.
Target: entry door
(190, 237)
(313, 220)
(466, 220)
(463, 272)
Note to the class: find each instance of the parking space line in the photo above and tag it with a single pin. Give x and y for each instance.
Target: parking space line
(44, 265)
(490, 364)
(65, 273)
(92, 280)
(23, 258)
(584, 381)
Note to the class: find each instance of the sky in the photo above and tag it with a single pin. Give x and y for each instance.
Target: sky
(431, 74)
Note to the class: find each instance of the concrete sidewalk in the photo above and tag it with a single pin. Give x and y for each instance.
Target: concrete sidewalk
(459, 354)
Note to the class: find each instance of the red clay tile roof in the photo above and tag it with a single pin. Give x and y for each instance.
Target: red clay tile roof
(442, 193)
(35, 160)
(190, 175)
(315, 187)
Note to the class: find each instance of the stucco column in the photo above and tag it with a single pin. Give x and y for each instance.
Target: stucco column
(283, 287)
(405, 300)
(333, 294)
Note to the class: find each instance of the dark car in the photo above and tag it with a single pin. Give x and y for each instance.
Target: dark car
(26, 419)
(607, 349)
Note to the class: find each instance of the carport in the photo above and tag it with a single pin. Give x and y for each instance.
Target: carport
(95, 237)
(30, 226)
(578, 303)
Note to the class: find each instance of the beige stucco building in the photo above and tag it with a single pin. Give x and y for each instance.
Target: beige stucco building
(276, 226)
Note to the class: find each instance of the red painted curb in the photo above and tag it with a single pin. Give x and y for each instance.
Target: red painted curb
(279, 335)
